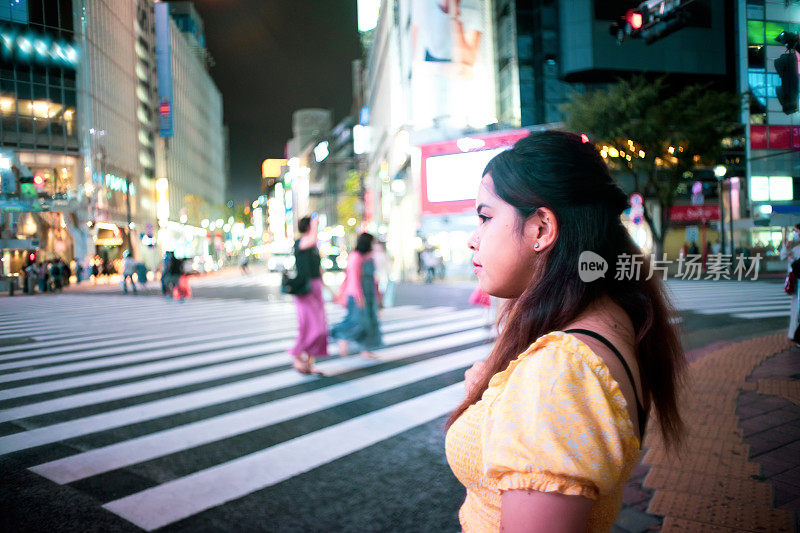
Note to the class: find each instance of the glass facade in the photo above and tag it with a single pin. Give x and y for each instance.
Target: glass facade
(38, 76)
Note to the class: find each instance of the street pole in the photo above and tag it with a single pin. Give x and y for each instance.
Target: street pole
(128, 209)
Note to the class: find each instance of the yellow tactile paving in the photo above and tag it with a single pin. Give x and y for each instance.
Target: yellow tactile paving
(721, 511)
(680, 524)
(780, 387)
(709, 485)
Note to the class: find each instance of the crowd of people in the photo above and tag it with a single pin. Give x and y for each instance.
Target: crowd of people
(54, 274)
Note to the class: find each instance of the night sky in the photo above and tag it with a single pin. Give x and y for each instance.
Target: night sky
(272, 58)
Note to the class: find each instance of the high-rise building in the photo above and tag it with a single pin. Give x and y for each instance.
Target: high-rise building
(77, 99)
(191, 183)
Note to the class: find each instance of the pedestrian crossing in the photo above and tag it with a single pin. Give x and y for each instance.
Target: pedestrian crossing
(106, 384)
(742, 299)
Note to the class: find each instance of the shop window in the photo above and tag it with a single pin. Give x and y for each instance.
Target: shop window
(771, 188)
(755, 32)
(756, 56)
(773, 29)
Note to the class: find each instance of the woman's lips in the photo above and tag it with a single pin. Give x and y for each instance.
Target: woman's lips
(478, 268)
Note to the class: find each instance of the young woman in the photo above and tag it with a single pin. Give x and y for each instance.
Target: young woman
(312, 327)
(358, 294)
(552, 422)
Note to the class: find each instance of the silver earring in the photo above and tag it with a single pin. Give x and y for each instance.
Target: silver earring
(536, 246)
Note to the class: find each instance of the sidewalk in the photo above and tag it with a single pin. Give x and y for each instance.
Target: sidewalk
(738, 469)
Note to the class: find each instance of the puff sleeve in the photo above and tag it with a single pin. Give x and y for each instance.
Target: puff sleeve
(559, 425)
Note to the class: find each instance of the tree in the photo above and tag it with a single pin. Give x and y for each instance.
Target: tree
(349, 204)
(656, 134)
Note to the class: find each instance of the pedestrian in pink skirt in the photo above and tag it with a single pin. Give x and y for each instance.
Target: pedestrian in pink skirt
(312, 327)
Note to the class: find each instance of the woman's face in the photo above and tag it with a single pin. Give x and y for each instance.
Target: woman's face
(504, 258)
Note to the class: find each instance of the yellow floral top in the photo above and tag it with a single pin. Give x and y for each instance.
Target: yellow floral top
(554, 421)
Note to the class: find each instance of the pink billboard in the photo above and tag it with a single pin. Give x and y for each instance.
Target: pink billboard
(450, 171)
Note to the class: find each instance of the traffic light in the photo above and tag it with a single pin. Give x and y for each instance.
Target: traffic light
(786, 67)
(630, 24)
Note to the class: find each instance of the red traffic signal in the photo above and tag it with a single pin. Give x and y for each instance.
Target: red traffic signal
(634, 18)
(38, 180)
(32, 257)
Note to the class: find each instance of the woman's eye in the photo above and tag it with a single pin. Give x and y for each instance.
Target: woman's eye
(483, 218)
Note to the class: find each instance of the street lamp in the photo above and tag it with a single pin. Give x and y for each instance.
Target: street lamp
(719, 172)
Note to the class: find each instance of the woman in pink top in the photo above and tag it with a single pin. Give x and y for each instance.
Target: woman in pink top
(359, 296)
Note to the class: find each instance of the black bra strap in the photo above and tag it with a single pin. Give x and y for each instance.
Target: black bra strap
(641, 413)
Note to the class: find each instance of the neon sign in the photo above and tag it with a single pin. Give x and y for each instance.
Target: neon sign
(30, 47)
(115, 183)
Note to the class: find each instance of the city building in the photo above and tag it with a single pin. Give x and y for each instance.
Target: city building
(77, 89)
(191, 174)
(772, 183)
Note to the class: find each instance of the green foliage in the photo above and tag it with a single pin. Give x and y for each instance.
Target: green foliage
(675, 130)
(349, 204)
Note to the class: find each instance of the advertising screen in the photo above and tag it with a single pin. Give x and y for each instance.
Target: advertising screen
(451, 73)
(451, 171)
(455, 177)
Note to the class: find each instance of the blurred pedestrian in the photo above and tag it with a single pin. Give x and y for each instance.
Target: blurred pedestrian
(552, 422)
(382, 272)
(54, 275)
(65, 271)
(243, 262)
(790, 252)
(128, 269)
(357, 294)
(95, 272)
(30, 278)
(141, 274)
(429, 264)
(312, 327)
(78, 271)
(165, 266)
(41, 274)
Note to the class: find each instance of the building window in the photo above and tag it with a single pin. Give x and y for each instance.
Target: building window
(771, 188)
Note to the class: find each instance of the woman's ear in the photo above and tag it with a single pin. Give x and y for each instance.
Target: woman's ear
(541, 229)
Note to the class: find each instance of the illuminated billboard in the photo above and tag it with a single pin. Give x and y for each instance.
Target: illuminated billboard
(452, 79)
(451, 170)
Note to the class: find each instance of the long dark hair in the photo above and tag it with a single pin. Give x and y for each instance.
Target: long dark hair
(364, 243)
(558, 171)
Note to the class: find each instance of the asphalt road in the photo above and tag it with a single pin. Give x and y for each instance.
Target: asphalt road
(335, 480)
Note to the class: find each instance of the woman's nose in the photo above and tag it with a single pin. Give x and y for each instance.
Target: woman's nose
(472, 243)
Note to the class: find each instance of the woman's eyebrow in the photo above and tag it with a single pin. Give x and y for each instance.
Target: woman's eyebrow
(481, 206)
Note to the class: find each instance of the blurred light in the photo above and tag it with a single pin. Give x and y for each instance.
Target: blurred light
(220, 222)
(360, 139)
(765, 209)
(5, 162)
(321, 151)
(584, 138)
(641, 154)
(184, 219)
(613, 152)
(720, 170)
(368, 12)
(204, 223)
(132, 225)
(351, 221)
(671, 150)
(634, 18)
(271, 168)
(465, 144)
